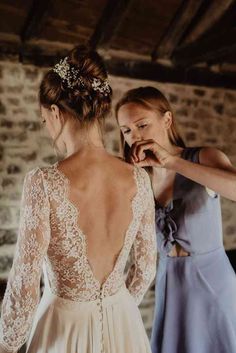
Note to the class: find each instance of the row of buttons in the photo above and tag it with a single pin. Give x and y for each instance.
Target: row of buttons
(101, 319)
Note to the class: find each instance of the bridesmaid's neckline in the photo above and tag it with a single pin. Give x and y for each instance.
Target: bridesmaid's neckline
(170, 202)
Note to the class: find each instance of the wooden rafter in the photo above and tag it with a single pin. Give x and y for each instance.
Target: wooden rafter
(208, 49)
(35, 19)
(160, 73)
(178, 26)
(128, 68)
(214, 12)
(109, 23)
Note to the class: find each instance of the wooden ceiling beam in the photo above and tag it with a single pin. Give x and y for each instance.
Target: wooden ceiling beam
(160, 73)
(35, 19)
(28, 53)
(214, 12)
(109, 23)
(136, 69)
(182, 19)
(209, 49)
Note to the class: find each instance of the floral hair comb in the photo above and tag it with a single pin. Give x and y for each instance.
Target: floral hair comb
(70, 75)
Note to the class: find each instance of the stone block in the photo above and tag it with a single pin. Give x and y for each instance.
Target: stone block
(6, 123)
(2, 108)
(13, 101)
(13, 169)
(31, 74)
(8, 236)
(199, 92)
(30, 125)
(5, 263)
(14, 89)
(219, 108)
(5, 216)
(30, 99)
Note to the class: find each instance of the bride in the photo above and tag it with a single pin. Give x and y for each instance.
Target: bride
(80, 220)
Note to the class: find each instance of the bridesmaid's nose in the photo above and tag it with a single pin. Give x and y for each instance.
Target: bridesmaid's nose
(135, 136)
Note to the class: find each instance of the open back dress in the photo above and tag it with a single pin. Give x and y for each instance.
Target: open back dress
(76, 314)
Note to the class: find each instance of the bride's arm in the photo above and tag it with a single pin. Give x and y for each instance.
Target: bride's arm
(23, 287)
(144, 249)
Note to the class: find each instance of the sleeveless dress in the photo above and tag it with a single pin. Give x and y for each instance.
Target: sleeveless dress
(76, 314)
(195, 308)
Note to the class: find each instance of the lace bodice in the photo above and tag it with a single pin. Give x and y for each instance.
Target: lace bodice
(49, 235)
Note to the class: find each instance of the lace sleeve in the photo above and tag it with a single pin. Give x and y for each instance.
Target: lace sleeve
(22, 293)
(144, 250)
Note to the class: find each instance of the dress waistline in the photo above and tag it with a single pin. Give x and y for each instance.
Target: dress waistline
(192, 255)
(64, 303)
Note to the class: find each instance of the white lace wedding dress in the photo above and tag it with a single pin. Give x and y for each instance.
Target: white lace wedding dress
(75, 314)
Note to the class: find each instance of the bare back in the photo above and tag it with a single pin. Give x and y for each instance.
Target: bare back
(102, 191)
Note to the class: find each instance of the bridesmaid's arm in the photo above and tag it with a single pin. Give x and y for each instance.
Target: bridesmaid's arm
(215, 171)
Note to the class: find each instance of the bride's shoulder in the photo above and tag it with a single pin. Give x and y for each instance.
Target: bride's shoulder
(141, 173)
(143, 180)
(39, 172)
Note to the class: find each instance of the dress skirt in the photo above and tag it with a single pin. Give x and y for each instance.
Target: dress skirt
(109, 325)
(195, 309)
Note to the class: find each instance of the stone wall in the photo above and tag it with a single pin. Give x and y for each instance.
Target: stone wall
(205, 117)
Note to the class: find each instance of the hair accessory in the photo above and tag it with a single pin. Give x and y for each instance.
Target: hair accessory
(101, 86)
(70, 75)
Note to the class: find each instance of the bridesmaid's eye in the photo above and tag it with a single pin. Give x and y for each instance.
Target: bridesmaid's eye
(142, 126)
(126, 131)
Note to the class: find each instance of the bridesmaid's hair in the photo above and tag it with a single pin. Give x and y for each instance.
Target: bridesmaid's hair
(82, 102)
(152, 99)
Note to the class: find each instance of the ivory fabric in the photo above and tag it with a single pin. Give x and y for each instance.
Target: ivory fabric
(50, 236)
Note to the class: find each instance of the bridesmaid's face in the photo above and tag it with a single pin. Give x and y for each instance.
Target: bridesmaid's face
(138, 123)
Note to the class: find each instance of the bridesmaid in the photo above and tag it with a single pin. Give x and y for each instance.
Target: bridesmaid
(195, 308)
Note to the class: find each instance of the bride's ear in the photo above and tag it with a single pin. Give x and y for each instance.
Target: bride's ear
(57, 114)
(168, 119)
(55, 111)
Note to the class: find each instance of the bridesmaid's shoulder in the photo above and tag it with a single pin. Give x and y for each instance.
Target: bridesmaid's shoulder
(213, 157)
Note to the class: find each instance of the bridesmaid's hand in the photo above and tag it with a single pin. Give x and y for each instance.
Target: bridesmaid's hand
(148, 153)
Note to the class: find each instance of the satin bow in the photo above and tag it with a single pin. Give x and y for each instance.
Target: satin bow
(165, 225)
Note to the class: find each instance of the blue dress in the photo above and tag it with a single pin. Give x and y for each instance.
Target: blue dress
(195, 308)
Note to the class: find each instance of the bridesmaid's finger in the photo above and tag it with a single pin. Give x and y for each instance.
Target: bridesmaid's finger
(133, 153)
(146, 163)
(132, 160)
(135, 148)
(142, 149)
